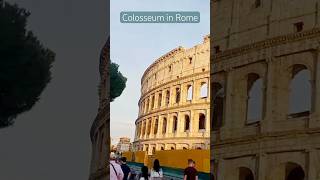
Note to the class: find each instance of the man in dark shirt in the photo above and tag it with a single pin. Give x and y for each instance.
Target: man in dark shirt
(190, 173)
(125, 168)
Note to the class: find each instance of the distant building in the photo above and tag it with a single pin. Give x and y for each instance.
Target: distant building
(124, 145)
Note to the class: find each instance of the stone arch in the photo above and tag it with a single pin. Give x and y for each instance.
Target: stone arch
(171, 146)
(294, 172)
(144, 127)
(202, 121)
(245, 174)
(300, 91)
(167, 97)
(164, 125)
(159, 100)
(255, 98)
(204, 90)
(178, 94)
(156, 124)
(287, 171)
(149, 127)
(189, 92)
(174, 124)
(186, 123)
(152, 101)
(147, 105)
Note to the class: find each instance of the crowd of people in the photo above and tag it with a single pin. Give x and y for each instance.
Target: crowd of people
(119, 170)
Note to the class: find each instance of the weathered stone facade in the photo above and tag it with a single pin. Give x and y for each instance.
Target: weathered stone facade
(175, 101)
(100, 130)
(265, 83)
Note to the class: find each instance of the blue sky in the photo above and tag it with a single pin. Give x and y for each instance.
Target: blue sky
(135, 46)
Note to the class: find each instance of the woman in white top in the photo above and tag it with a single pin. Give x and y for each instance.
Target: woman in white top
(156, 172)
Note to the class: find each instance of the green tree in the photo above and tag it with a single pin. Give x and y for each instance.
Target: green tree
(117, 81)
(24, 64)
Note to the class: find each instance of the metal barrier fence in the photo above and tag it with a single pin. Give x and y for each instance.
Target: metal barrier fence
(169, 173)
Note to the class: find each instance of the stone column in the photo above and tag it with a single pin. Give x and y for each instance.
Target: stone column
(208, 122)
(192, 122)
(152, 127)
(171, 99)
(225, 129)
(262, 166)
(313, 165)
(180, 124)
(183, 94)
(169, 125)
(142, 127)
(163, 100)
(270, 94)
(146, 129)
(160, 124)
(156, 100)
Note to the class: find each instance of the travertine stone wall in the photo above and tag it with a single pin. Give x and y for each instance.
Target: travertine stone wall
(100, 129)
(269, 39)
(175, 88)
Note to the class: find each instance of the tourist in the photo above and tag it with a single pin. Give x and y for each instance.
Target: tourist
(144, 173)
(125, 168)
(156, 172)
(115, 169)
(190, 173)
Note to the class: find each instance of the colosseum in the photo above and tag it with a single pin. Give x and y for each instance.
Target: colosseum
(175, 102)
(265, 83)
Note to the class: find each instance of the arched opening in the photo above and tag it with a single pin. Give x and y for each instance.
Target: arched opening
(162, 148)
(177, 95)
(255, 98)
(175, 124)
(167, 97)
(156, 126)
(147, 105)
(300, 91)
(218, 105)
(172, 148)
(153, 150)
(149, 127)
(202, 121)
(294, 172)
(204, 90)
(159, 100)
(164, 126)
(144, 128)
(187, 123)
(245, 174)
(189, 93)
(184, 148)
(152, 102)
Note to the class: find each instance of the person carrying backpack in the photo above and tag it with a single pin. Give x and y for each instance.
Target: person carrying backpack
(115, 169)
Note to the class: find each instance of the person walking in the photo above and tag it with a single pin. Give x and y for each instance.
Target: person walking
(156, 172)
(190, 173)
(144, 173)
(115, 169)
(125, 168)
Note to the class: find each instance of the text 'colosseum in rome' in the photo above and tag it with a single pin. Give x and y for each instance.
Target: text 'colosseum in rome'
(174, 108)
(265, 81)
